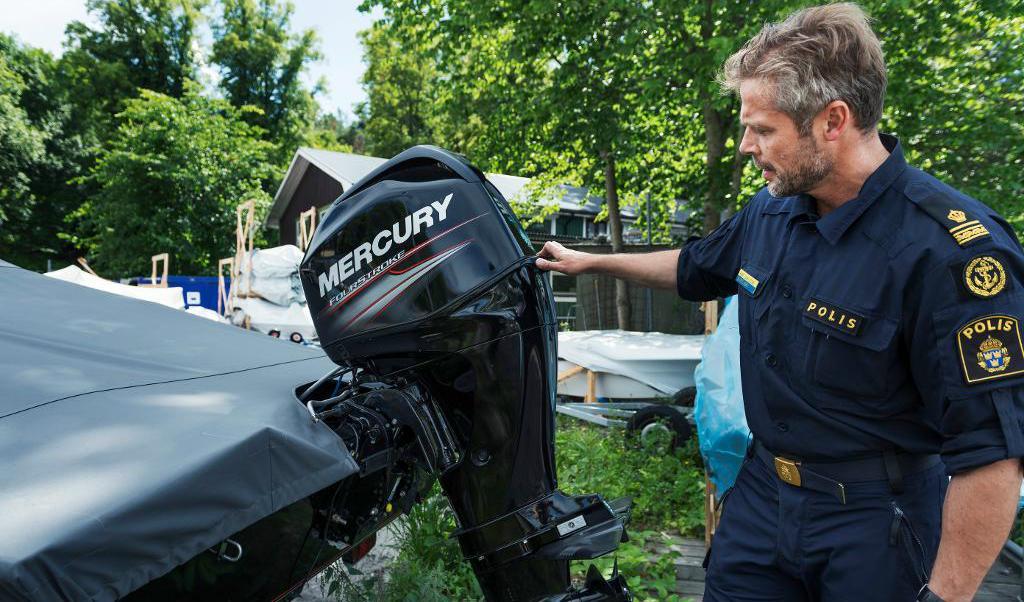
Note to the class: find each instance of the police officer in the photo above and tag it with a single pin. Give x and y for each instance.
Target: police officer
(880, 321)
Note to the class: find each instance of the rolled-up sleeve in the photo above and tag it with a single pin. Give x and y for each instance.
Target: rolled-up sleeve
(968, 357)
(707, 266)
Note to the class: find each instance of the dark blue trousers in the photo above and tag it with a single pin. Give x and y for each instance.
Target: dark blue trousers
(789, 544)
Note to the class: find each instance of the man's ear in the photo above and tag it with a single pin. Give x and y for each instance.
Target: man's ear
(836, 119)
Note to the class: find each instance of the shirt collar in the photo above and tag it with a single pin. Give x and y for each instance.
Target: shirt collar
(838, 221)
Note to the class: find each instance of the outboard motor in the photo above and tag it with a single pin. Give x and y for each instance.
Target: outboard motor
(423, 289)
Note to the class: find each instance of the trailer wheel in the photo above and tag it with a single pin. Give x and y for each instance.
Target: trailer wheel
(655, 424)
(686, 397)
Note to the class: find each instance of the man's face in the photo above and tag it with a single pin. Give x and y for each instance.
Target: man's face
(790, 163)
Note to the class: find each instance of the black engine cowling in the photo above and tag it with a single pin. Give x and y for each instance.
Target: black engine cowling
(421, 278)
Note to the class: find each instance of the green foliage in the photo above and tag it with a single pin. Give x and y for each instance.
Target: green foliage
(429, 567)
(37, 156)
(137, 44)
(170, 181)
(650, 571)
(667, 488)
(956, 94)
(261, 62)
(396, 84)
(668, 494)
(543, 88)
(22, 147)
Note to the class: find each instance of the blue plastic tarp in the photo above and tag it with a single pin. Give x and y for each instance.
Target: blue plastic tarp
(718, 410)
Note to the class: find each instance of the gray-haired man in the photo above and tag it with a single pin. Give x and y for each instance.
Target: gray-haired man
(880, 339)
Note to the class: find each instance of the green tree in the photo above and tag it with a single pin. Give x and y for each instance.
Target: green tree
(40, 196)
(170, 180)
(956, 94)
(145, 44)
(22, 149)
(397, 112)
(261, 63)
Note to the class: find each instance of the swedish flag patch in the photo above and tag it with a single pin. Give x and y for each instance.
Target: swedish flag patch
(747, 282)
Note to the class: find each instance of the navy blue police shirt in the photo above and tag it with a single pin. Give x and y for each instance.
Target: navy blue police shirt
(892, 322)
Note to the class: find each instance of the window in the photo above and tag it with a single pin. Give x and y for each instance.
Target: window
(569, 225)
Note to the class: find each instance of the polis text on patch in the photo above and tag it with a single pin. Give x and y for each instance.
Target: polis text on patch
(832, 315)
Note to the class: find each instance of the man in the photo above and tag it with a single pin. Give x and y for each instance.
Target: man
(880, 327)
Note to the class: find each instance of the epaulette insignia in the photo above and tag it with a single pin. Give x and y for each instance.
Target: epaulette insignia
(962, 227)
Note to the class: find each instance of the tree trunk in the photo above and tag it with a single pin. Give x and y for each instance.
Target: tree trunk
(738, 162)
(611, 193)
(716, 148)
(714, 135)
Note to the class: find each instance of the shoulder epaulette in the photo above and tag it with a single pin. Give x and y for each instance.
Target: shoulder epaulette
(962, 226)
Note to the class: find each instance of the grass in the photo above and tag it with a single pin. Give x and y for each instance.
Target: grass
(668, 495)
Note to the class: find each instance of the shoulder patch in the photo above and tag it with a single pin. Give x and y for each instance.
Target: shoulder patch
(990, 347)
(984, 276)
(962, 226)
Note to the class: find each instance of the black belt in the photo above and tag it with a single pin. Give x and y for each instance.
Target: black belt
(829, 477)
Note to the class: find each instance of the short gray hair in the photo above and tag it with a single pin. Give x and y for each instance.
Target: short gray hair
(817, 55)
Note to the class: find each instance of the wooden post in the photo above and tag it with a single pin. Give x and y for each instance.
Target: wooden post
(162, 283)
(306, 232)
(85, 266)
(710, 316)
(591, 387)
(243, 247)
(711, 514)
(224, 293)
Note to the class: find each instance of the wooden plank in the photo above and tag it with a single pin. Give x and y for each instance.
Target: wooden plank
(591, 387)
(85, 266)
(569, 373)
(710, 309)
(224, 296)
(307, 225)
(245, 215)
(154, 282)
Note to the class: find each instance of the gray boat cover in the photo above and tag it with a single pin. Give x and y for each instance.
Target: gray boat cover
(134, 436)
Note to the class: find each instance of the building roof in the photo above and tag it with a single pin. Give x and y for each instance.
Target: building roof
(349, 168)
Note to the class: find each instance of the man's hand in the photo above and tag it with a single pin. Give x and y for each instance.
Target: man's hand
(653, 270)
(977, 516)
(556, 257)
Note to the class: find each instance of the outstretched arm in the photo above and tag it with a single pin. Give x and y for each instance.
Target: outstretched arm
(653, 270)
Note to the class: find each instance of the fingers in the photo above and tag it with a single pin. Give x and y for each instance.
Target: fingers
(551, 250)
(544, 264)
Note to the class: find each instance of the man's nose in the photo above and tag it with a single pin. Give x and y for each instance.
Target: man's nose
(747, 146)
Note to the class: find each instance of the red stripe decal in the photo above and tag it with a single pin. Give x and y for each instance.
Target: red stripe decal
(406, 256)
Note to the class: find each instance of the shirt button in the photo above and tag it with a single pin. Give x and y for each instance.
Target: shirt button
(787, 291)
(782, 426)
(771, 360)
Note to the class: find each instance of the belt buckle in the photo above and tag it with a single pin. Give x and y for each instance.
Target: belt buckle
(788, 470)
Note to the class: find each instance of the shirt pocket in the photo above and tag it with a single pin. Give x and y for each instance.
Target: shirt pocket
(853, 362)
(752, 281)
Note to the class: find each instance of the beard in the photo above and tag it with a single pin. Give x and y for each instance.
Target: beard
(810, 168)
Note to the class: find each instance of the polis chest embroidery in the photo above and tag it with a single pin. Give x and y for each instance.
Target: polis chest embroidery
(834, 316)
(990, 347)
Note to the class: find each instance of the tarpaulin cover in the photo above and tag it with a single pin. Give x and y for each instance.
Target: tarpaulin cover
(134, 436)
(170, 296)
(718, 410)
(658, 360)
